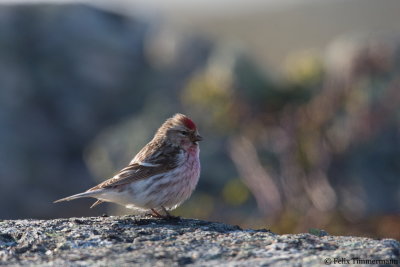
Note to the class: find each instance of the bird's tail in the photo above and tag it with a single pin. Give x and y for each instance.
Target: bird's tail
(93, 193)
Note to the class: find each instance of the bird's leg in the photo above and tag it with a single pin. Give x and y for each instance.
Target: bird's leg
(166, 212)
(156, 214)
(168, 215)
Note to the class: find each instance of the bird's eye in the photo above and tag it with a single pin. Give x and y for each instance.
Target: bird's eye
(184, 133)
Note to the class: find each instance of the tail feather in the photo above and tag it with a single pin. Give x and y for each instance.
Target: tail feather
(96, 203)
(80, 195)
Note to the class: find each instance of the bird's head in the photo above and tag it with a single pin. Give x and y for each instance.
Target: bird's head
(180, 131)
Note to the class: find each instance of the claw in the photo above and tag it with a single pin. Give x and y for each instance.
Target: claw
(167, 215)
(156, 214)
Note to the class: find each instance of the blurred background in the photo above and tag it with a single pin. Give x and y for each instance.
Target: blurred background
(298, 102)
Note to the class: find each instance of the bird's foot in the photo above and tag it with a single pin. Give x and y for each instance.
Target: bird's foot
(173, 218)
(167, 215)
(156, 214)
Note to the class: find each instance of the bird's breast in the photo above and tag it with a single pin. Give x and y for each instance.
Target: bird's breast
(192, 164)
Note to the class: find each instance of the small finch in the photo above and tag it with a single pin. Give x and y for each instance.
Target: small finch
(160, 177)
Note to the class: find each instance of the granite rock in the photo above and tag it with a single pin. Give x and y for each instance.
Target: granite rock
(147, 241)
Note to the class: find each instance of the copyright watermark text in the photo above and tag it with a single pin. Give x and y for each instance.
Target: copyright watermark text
(329, 261)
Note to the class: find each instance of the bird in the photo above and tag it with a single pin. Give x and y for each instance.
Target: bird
(160, 177)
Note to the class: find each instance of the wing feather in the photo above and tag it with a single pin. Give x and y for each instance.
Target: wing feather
(154, 164)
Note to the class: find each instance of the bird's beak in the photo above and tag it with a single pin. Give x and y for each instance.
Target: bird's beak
(197, 137)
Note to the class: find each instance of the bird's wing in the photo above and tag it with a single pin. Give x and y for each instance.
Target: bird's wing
(158, 164)
(131, 173)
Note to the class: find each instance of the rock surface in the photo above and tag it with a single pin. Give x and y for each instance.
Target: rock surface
(146, 241)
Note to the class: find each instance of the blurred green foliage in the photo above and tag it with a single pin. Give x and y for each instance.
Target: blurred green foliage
(235, 192)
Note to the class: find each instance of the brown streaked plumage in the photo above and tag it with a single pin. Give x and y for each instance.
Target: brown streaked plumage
(161, 176)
